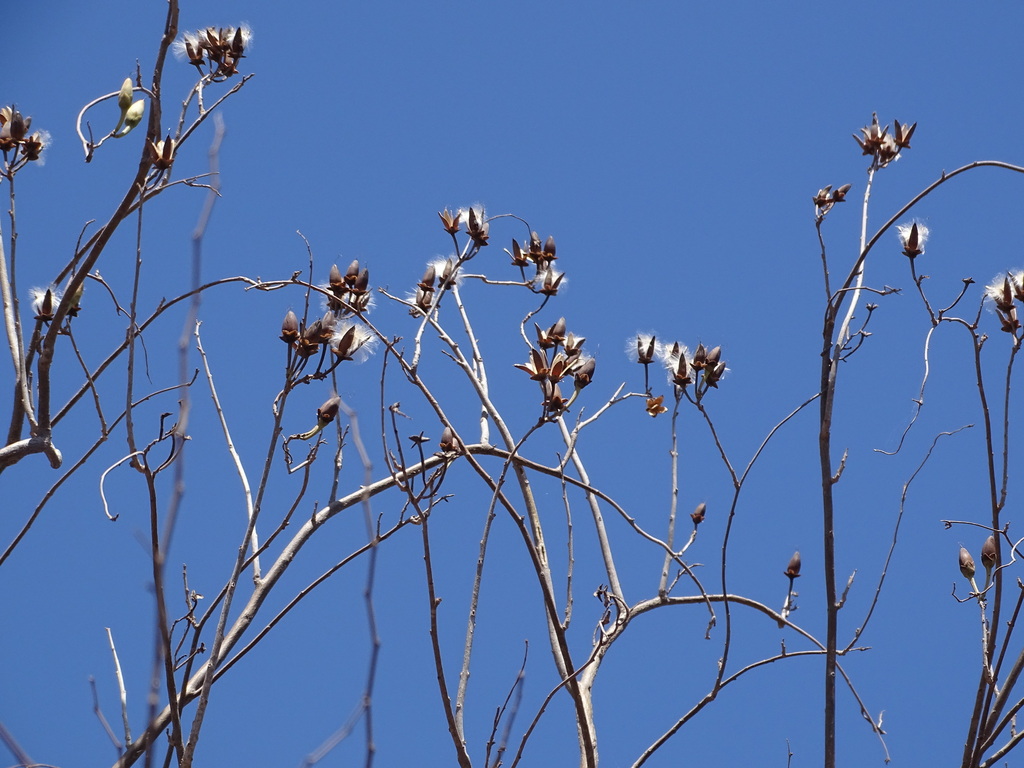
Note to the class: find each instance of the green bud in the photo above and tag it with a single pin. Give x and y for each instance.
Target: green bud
(133, 116)
(124, 98)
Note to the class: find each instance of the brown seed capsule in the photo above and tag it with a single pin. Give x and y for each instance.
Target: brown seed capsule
(966, 563)
(477, 228)
(427, 281)
(585, 373)
(335, 279)
(988, 552)
(713, 374)
(553, 400)
(552, 280)
(698, 514)
(681, 372)
(700, 357)
(326, 413)
(536, 252)
(645, 350)
(290, 328)
(913, 239)
(44, 307)
(327, 323)
(989, 558)
(451, 221)
(518, 257)
(793, 569)
(449, 442)
(352, 273)
(903, 134)
(347, 344)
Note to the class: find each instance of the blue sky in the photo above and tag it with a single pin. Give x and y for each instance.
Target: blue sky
(673, 150)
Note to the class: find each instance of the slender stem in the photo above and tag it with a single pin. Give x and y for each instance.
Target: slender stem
(674, 501)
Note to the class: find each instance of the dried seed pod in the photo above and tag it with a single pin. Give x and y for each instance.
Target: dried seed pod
(450, 443)
(989, 558)
(450, 220)
(988, 552)
(585, 373)
(700, 358)
(698, 514)
(327, 323)
(335, 279)
(966, 564)
(913, 238)
(713, 374)
(43, 306)
(427, 281)
(645, 347)
(290, 328)
(327, 412)
(681, 372)
(793, 569)
(518, 257)
(352, 273)
(654, 406)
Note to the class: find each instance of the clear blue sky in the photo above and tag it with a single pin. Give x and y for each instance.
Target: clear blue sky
(673, 150)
